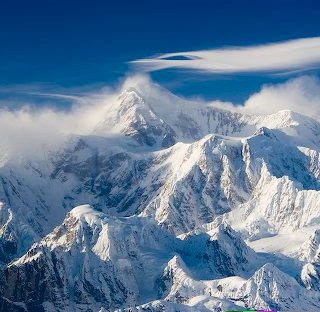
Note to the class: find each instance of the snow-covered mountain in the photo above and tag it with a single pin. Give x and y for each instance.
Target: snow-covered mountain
(179, 206)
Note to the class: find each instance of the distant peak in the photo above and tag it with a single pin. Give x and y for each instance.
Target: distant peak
(85, 213)
(138, 84)
(264, 131)
(291, 115)
(132, 91)
(82, 210)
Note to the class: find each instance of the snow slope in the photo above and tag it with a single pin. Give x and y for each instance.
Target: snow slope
(92, 260)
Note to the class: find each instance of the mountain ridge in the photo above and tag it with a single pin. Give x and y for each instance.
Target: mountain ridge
(169, 194)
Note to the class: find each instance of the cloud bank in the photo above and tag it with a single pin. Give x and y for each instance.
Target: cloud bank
(301, 95)
(283, 57)
(24, 131)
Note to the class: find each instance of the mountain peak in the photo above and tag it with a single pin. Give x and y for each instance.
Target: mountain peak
(130, 97)
(271, 288)
(85, 214)
(83, 210)
(310, 249)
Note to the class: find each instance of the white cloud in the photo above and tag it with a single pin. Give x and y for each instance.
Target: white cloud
(301, 95)
(287, 56)
(25, 130)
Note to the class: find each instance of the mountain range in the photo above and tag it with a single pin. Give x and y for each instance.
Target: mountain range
(167, 205)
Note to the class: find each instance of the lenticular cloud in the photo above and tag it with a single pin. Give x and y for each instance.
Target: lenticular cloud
(283, 57)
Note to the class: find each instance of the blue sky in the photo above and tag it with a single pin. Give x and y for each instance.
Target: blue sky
(78, 44)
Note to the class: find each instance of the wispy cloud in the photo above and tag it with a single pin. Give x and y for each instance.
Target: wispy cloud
(28, 128)
(283, 57)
